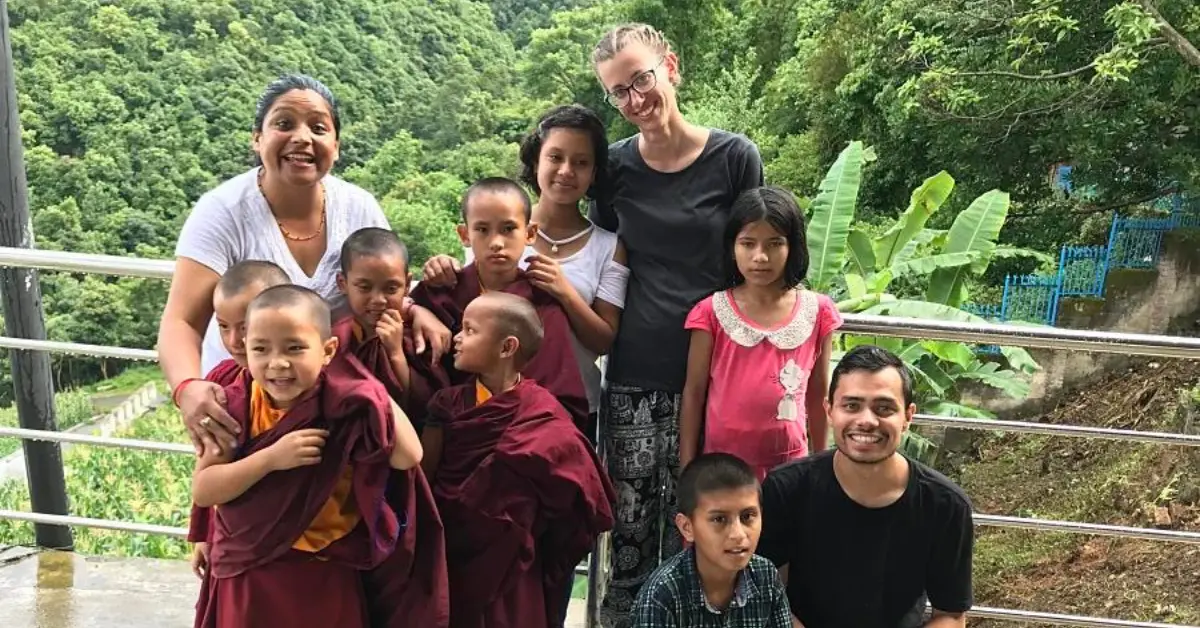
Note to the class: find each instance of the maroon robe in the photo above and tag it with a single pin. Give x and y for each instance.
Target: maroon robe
(411, 588)
(425, 378)
(258, 579)
(523, 497)
(554, 366)
(223, 374)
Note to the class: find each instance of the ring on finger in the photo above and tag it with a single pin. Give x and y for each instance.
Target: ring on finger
(205, 422)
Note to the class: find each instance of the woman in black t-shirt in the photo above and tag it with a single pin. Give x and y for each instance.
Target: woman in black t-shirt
(672, 187)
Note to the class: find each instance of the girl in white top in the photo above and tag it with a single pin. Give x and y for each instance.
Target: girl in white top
(290, 211)
(580, 264)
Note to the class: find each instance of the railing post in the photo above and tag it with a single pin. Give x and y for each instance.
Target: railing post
(22, 295)
(1108, 255)
(1004, 301)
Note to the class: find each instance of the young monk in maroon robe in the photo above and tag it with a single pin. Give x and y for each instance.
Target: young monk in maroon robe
(375, 280)
(496, 213)
(300, 508)
(410, 588)
(237, 287)
(521, 492)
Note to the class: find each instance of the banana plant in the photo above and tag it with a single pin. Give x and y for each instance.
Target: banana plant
(846, 262)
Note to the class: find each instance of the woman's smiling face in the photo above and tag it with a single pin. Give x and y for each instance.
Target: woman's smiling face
(298, 141)
(640, 82)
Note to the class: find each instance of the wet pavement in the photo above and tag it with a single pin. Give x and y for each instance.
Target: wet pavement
(65, 590)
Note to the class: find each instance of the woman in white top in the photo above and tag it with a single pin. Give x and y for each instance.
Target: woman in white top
(563, 160)
(288, 210)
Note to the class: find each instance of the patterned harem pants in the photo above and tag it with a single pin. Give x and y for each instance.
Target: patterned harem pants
(641, 438)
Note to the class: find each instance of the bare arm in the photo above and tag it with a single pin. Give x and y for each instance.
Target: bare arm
(180, 333)
(431, 442)
(594, 324)
(390, 330)
(403, 374)
(185, 319)
(407, 452)
(814, 399)
(218, 481)
(695, 394)
(942, 619)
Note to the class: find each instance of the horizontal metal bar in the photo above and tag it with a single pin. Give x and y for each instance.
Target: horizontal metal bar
(103, 524)
(1006, 614)
(1077, 431)
(1097, 529)
(982, 612)
(75, 348)
(981, 333)
(900, 327)
(102, 441)
(1025, 336)
(66, 261)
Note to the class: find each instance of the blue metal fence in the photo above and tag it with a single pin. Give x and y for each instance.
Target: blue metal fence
(1030, 298)
(1136, 242)
(1083, 270)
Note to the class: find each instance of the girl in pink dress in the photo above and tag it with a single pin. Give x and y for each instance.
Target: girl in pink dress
(758, 365)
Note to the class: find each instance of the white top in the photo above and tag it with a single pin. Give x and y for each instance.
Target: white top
(594, 275)
(233, 223)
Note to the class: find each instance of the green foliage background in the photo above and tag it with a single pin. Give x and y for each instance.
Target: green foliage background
(131, 110)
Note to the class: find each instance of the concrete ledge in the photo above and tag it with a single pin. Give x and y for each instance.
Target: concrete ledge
(67, 590)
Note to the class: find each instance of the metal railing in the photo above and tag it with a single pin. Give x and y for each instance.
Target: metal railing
(981, 333)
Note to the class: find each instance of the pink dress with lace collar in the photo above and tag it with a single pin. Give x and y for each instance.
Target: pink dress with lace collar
(758, 377)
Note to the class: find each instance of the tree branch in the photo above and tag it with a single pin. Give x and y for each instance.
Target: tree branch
(1153, 196)
(1031, 77)
(1180, 43)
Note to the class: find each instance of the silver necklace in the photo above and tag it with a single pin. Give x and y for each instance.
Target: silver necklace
(554, 244)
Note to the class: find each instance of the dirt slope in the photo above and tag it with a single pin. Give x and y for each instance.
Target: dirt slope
(1093, 481)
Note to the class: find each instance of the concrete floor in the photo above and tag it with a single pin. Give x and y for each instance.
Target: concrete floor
(65, 590)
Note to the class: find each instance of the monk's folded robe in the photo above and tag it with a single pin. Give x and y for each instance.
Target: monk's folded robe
(289, 551)
(425, 377)
(223, 374)
(554, 366)
(410, 588)
(522, 496)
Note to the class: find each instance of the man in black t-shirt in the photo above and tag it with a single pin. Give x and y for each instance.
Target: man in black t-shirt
(863, 535)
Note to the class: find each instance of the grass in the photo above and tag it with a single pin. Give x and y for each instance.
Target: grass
(108, 483)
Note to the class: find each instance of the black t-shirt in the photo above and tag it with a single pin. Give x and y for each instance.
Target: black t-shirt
(858, 567)
(672, 224)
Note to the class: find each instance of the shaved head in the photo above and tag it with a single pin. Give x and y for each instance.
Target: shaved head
(246, 274)
(293, 296)
(516, 317)
(498, 186)
(372, 242)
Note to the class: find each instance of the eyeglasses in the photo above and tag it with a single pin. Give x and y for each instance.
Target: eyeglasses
(641, 84)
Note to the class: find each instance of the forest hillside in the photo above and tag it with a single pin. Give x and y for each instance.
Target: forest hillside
(131, 110)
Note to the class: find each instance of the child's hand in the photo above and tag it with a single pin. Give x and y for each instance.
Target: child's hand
(545, 273)
(301, 448)
(390, 330)
(440, 271)
(212, 453)
(200, 560)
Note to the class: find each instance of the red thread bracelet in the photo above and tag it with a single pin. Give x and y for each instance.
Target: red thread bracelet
(179, 389)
